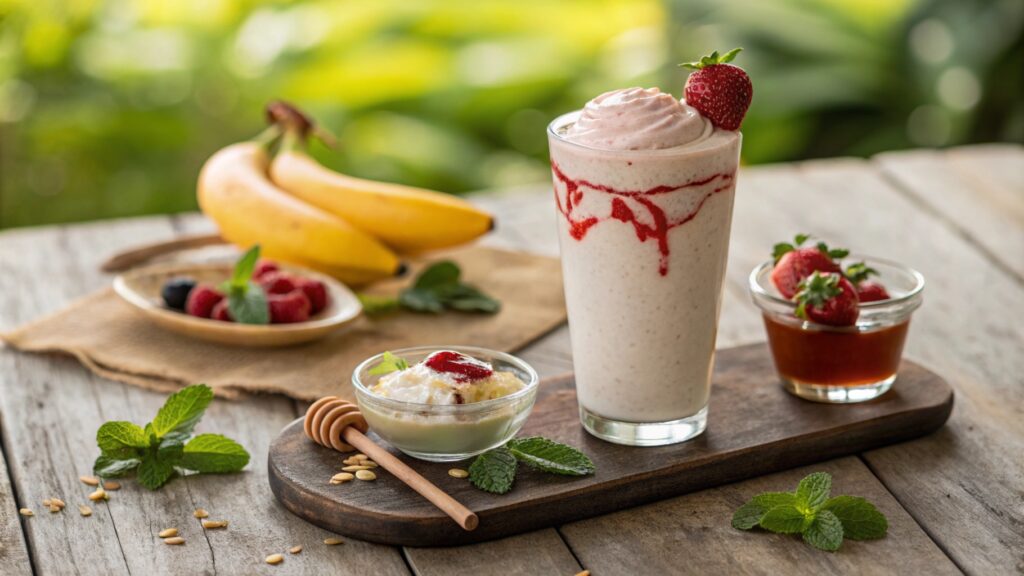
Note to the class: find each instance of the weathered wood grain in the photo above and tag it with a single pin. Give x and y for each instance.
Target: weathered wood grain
(757, 428)
(978, 191)
(692, 535)
(52, 408)
(540, 552)
(963, 485)
(13, 550)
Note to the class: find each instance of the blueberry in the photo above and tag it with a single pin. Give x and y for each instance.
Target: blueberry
(175, 292)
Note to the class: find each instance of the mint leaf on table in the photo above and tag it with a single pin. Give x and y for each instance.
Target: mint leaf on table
(214, 454)
(162, 448)
(437, 288)
(493, 471)
(860, 519)
(825, 532)
(182, 411)
(388, 363)
(550, 456)
(809, 511)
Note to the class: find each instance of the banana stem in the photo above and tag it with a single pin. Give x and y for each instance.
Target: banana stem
(292, 141)
(266, 138)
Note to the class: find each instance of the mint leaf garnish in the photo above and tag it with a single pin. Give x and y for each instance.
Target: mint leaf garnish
(213, 453)
(550, 456)
(813, 490)
(822, 521)
(388, 363)
(861, 520)
(182, 411)
(825, 532)
(247, 302)
(245, 267)
(162, 447)
(437, 288)
(493, 471)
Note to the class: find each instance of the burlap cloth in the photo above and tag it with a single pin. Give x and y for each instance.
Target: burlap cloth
(113, 340)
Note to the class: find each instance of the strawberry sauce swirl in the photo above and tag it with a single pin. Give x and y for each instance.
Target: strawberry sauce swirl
(620, 210)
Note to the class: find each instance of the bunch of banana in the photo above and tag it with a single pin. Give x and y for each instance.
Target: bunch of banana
(301, 212)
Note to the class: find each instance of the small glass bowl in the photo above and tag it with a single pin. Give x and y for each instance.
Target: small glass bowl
(840, 364)
(447, 432)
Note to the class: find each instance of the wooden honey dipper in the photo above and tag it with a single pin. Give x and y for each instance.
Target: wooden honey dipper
(337, 424)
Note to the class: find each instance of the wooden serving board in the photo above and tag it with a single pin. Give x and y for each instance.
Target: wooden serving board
(754, 428)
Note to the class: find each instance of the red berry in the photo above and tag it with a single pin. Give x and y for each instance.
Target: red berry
(277, 283)
(288, 308)
(829, 299)
(719, 91)
(796, 265)
(201, 300)
(264, 267)
(871, 291)
(465, 368)
(221, 312)
(315, 291)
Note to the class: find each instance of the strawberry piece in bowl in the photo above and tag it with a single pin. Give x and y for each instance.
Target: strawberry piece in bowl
(829, 344)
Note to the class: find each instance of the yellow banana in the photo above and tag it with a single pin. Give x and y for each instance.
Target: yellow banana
(235, 192)
(407, 219)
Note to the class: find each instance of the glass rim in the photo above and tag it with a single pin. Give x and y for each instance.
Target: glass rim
(759, 291)
(531, 385)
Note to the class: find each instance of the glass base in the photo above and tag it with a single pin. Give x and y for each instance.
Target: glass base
(644, 433)
(838, 394)
(440, 457)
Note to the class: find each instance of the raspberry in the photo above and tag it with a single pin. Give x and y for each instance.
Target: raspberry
(264, 267)
(277, 283)
(315, 291)
(201, 300)
(221, 312)
(288, 308)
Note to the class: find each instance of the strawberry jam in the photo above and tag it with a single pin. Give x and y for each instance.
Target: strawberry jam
(464, 368)
(835, 357)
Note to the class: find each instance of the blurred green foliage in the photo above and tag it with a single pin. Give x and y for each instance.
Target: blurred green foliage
(109, 107)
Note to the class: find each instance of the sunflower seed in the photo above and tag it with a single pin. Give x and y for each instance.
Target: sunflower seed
(84, 510)
(295, 549)
(168, 532)
(174, 540)
(26, 512)
(214, 524)
(333, 541)
(366, 475)
(200, 513)
(275, 558)
(90, 480)
(458, 473)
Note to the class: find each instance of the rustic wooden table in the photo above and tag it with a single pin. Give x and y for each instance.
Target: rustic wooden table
(955, 499)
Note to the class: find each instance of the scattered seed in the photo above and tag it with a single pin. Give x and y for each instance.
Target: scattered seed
(214, 524)
(355, 468)
(174, 540)
(57, 502)
(365, 475)
(458, 473)
(341, 477)
(84, 510)
(295, 549)
(200, 513)
(361, 456)
(351, 461)
(583, 573)
(26, 512)
(54, 508)
(46, 502)
(90, 480)
(111, 485)
(333, 541)
(168, 532)
(275, 558)
(99, 494)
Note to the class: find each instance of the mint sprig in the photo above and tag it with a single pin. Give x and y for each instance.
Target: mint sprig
(495, 470)
(388, 363)
(247, 302)
(162, 448)
(437, 288)
(822, 521)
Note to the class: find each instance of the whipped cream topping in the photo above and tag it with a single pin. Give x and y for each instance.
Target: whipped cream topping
(636, 119)
(424, 385)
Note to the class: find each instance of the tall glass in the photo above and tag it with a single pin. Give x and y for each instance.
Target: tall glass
(644, 237)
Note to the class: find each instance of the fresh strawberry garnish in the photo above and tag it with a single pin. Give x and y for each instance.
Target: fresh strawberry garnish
(465, 368)
(718, 90)
(288, 308)
(315, 291)
(828, 298)
(277, 282)
(867, 290)
(201, 300)
(793, 264)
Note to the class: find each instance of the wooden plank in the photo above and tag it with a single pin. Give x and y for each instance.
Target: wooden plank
(52, 407)
(540, 552)
(963, 484)
(692, 533)
(13, 550)
(977, 191)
